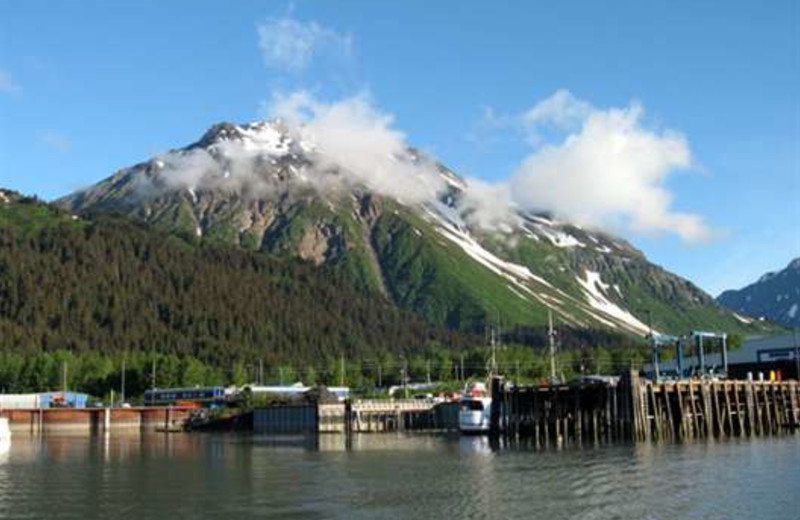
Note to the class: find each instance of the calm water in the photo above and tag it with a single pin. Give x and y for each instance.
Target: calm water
(419, 477)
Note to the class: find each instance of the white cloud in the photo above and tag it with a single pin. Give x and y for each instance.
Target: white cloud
(489, 206)
(7, 83)
(350, 144)
(55, 141)
(358, 140)
(287, 43)
(610, 172)
(562, 109)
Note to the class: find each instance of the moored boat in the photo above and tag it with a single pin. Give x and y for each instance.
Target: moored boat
(474, 410)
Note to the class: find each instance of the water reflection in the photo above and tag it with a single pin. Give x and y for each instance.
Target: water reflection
(390, 476)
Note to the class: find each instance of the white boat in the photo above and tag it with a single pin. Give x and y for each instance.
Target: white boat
(475, 409)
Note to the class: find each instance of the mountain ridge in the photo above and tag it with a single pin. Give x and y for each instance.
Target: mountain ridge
(774, 296)
(264, 186)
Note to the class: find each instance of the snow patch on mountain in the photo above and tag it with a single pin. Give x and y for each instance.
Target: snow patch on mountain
(594, 289)
(560, 238)
(467, 243)
(265, 138)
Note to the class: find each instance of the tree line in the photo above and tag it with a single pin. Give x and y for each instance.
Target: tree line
(90, 293)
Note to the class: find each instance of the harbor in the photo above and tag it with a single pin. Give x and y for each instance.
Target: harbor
(601, 409)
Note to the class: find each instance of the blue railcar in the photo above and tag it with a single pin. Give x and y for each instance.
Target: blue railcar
(209, 395)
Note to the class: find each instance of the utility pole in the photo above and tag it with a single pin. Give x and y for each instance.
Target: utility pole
(462, 367)
(654, 344)
(493, 362)
(405, 378)
(153, 373)
(122, 392)
(280, 374)
(341, 370)
(64, 376)
(428, 370)
(551, 335)
(260, 371)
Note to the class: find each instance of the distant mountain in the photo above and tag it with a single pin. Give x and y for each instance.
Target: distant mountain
(775, 296)
(264, 187)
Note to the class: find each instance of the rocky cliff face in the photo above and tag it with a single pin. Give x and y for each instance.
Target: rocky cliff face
(263, 187)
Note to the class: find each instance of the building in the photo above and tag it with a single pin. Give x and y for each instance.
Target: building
(774, 356)
(43, 400)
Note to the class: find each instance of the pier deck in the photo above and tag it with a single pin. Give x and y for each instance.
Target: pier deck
(40, 420)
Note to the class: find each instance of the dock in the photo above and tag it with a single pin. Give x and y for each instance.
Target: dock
(94, 420)
(635, 409)
(358, 416)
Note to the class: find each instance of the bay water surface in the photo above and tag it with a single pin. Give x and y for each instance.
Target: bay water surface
(201, 476)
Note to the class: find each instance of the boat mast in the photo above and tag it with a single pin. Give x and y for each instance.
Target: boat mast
(551, 335)
(493, 360)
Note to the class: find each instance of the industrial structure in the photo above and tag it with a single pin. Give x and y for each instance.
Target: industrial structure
(43, 400)
(776, 358)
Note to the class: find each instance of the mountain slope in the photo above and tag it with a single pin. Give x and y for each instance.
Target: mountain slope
(263, 187)
(775, 296)
(106, 284)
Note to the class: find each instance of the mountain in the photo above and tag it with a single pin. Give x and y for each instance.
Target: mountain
(108, 284)
(775, 296)
(267, 187)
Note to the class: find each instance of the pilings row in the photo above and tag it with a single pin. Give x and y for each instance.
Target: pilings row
(677, 410)
(562, 414)
(643, 410)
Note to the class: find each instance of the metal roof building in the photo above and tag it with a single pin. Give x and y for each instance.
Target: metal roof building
(776, 353)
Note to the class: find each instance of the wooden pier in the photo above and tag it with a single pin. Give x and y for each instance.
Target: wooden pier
(676, 410)
(634, 409)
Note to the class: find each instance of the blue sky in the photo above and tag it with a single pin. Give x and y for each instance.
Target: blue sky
(89, 87)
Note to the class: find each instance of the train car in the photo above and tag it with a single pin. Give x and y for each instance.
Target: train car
(205, 396)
